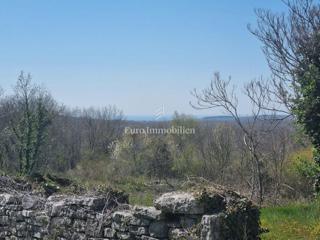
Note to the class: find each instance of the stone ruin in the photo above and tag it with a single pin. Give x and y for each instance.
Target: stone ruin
(207, 214)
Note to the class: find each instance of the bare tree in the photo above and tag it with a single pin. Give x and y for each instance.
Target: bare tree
(215, 147)
(290, 43)
(254, 128)
(278, 150)
(103, 127)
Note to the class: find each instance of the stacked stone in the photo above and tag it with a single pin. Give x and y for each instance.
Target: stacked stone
(22, 217)
(77, 217)
(137, 223)
(175, 215)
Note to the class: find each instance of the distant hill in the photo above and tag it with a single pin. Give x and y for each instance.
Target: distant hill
(150, 118)
(147, 118)
(218, 118)
(242, 118)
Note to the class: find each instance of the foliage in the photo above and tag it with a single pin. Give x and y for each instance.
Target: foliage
(300, 172)
(305, 108)
(308, 104)
(304, 166)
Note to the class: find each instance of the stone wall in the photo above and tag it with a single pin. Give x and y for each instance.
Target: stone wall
(175, 215)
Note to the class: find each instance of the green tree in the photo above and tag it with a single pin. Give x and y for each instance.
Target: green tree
(307, 107)
(33, 110)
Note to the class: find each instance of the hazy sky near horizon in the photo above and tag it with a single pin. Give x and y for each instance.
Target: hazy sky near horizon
(139, 55)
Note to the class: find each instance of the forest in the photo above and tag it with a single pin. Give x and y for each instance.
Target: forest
(91, 145)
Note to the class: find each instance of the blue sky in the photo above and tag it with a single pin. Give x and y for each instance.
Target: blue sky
(136, 54)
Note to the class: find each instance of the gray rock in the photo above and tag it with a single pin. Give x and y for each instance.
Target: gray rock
(93, 203)
(56, 208)
(149, 238)
(32, 202)
(37, 235)
(148, 212)
(92, 228)
(109, 233)
(124, 216)
(27, 213)
(211, 227)
(60, 221)
(179, 203)
(178, 233)
(4, 220)
(78, 236)
(135, 221)
(79, 225)
(7, 199)
(40, 219)
(124, 235)
(138, 231)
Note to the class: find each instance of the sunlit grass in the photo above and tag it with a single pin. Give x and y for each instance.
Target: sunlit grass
(291, 222)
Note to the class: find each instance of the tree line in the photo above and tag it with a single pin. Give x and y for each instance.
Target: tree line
(266, 154)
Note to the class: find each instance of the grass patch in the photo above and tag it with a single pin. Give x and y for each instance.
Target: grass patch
(292, 222)
(141, 190)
